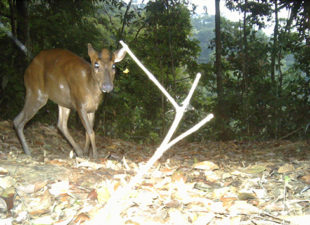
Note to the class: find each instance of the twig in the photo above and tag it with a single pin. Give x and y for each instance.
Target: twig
(150, 75)
(17, 42)
(110, 214)
(291, 133)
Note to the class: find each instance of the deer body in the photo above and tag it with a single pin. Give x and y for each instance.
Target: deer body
(70, 82)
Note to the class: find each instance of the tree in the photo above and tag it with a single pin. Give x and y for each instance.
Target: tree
(220, 110)
(166, 47)
(241, 92)
(22, 19)
(275, 42)
(203, 26)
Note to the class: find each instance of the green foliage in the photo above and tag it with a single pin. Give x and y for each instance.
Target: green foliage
(168, 40)
(204, 32)
(167, 51)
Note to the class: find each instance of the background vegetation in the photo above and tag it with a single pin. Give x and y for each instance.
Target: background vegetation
(258, 86)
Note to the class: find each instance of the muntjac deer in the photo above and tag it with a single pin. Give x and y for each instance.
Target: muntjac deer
(72, 83)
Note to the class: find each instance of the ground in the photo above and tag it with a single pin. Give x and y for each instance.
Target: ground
(193, 183)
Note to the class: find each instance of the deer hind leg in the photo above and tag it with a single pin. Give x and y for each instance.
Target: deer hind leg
(33, 103)
(63, 115)
(91, 118)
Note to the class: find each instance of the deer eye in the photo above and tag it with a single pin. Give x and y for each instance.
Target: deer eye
(96, 65)
(113, 66)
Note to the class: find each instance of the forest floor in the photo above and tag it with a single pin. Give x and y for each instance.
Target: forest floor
(193, 183)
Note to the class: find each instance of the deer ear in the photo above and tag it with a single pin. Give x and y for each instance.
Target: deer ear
(91, 52)
(119, 55)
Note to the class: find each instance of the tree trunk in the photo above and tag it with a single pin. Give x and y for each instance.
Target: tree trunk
(22, 28)
(124, 20)
(218, 66)
(245, 50)
(170, 41)
(275, 44)
(274, 54)
(245, 99)
(12, 17)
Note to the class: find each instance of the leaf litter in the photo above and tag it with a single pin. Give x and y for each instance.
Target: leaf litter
(193, 183)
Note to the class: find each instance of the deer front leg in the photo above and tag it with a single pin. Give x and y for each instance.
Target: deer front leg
(62, 126)
(89, 130)
(91, 118)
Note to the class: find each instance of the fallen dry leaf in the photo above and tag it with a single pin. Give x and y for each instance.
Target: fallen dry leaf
(3, 171)
(81, 218)
(297, 220)
(92, 195)
(59, 162)
(6, 182)
(32, 188)
(242, 207)
(173, 204)
(255, 169)
(211, 176)
(286, 168)
(306, 178)
(166, 170)
(178, 176)
(43, 220)
(200, 192)
(103, 194)
(40, 205)
(3, 205)
(88, 164)
(203, 219)
(60, 188)
(116, 185)
(205, 165)
(246, 196)
(228, 201)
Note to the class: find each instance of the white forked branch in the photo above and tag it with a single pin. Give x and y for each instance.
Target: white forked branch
(113, 208)
(180, 109)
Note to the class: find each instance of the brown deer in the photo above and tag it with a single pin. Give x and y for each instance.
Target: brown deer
(72, 83)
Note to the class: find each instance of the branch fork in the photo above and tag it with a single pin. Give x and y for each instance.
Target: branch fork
(110, 214)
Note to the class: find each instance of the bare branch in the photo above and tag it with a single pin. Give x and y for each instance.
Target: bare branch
(150, 75)
(110, 214)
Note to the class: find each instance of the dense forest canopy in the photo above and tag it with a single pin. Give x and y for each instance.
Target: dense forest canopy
(265, 80)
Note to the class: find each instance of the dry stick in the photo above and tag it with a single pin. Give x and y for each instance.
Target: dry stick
(150, 75)
(17, 42)
(291, 133)
(110, 214)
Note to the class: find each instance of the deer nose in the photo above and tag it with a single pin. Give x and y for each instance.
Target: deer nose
(107, 88)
